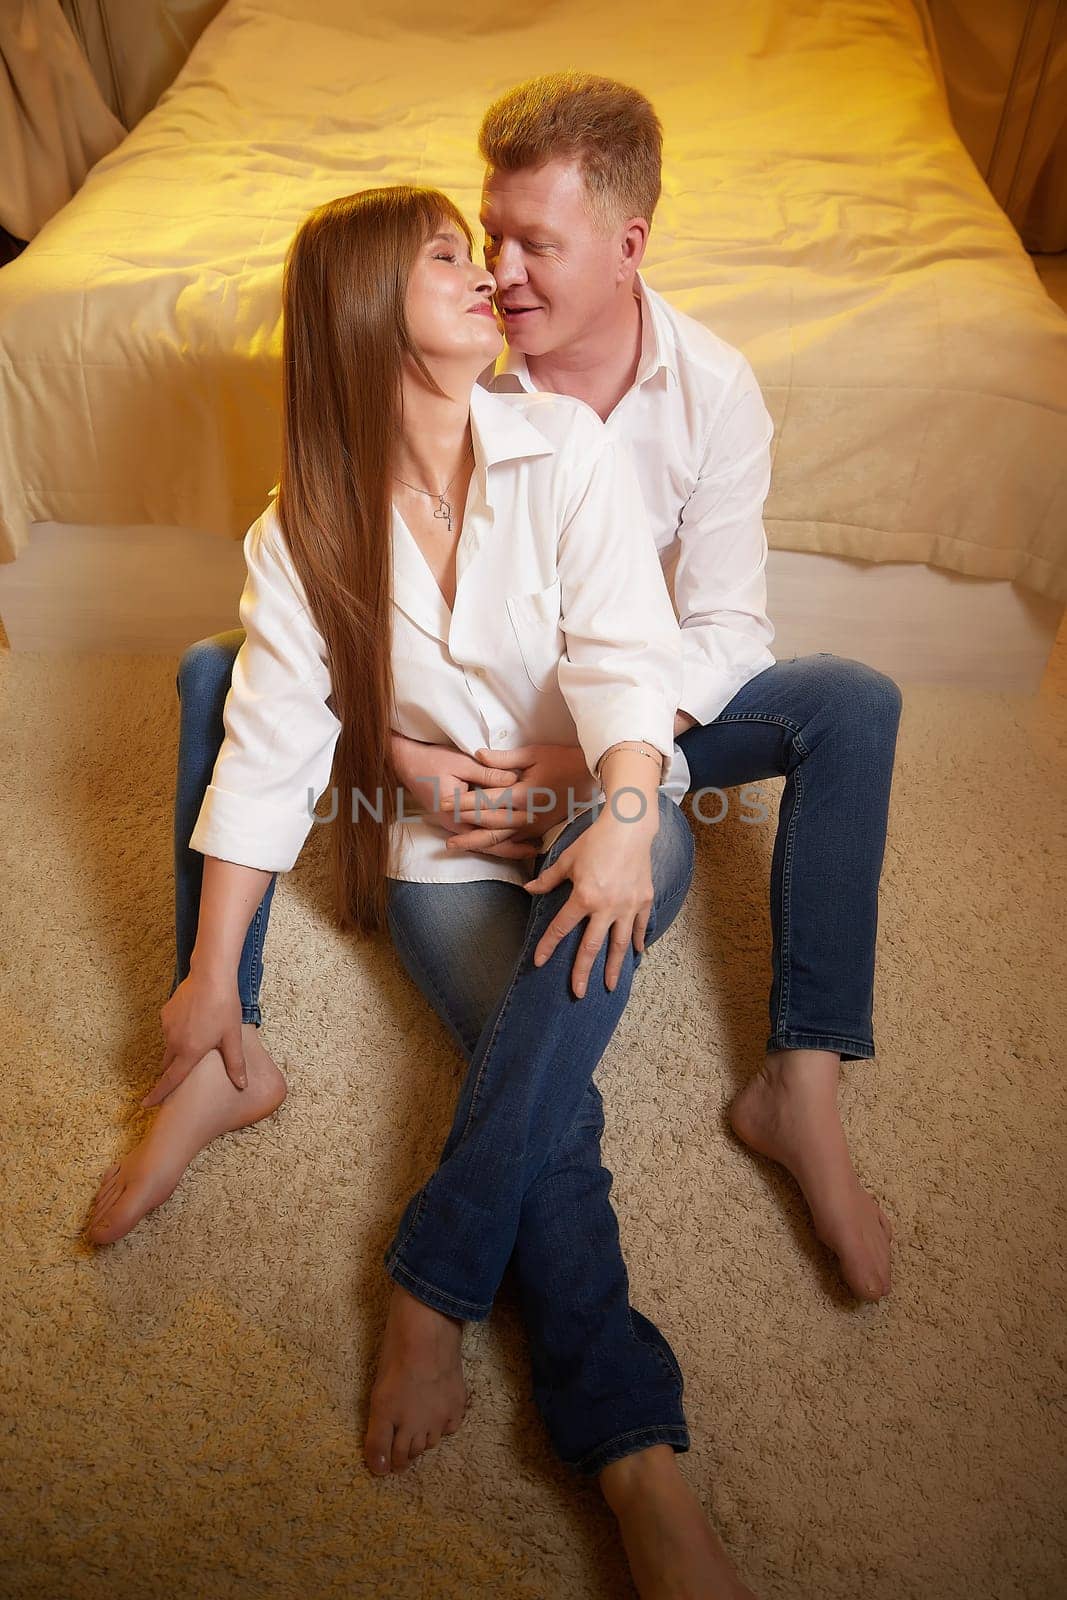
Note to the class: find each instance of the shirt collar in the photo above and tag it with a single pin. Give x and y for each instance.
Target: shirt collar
(657, 347)
(498, 433)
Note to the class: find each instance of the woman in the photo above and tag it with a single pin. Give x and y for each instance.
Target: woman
(522, 602)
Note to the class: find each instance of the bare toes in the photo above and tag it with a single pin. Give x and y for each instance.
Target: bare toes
(105, 1206)
(876, 1285)
(104, 1203)
(107, 1192)
(100, 1231)
(378, 1446)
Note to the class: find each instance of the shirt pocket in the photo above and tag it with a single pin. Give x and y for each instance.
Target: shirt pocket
(535, 619)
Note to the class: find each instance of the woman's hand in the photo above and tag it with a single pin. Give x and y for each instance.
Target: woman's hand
(435, 774)
(610, 866)
(553, 779)
(203, 1013)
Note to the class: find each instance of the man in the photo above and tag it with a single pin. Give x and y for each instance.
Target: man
(571, 184)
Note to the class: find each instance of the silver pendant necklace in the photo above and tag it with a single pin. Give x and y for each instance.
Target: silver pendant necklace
(443, 509)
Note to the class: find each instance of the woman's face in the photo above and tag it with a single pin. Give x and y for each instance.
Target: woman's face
(449, 305)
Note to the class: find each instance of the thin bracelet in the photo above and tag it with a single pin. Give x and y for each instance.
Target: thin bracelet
(636, 748)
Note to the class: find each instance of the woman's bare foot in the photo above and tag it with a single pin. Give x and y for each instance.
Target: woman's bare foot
(419, 1393)
(673, 1551)
(203, 1106)
(789, 1113)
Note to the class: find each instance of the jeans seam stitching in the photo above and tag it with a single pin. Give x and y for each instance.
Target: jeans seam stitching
(257, 953)
(673, 1428)
(645, 1344)
(838, 1038)
(454, 1299)
(753, 716)
(787, 872)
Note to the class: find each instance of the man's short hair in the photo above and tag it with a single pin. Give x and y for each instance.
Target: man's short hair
(611, 130)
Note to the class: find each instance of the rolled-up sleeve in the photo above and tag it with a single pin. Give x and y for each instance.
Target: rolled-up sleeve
(277, 753)
(720, 582)
(622, 673)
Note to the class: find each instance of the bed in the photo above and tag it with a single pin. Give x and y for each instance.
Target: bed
(818, 211)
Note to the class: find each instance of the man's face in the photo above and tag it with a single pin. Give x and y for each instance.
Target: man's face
(555, 273)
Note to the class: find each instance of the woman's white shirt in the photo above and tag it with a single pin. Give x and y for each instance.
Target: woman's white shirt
(562, 632)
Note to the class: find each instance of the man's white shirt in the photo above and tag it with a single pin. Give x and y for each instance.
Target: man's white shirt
(699, 434)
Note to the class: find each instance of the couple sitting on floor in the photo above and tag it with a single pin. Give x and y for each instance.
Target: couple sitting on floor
(456, 613)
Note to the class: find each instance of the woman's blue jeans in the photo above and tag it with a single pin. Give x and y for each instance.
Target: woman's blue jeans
(520, 1178)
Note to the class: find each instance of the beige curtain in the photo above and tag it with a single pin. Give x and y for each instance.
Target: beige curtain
(54, 122)
(1004, 65)
(136, 47)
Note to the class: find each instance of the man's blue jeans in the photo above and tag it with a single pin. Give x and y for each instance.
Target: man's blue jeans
(520, 1179)
(830, 726)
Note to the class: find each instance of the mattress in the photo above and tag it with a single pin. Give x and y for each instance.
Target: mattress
(818, 212)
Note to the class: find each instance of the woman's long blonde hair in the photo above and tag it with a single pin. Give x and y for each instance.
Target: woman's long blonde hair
(344, 340)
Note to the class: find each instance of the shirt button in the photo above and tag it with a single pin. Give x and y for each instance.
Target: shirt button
(502, 733)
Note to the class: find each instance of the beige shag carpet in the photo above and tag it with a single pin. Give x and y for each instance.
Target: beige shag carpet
(183, 1411)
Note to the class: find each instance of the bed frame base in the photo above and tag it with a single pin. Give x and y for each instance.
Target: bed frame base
(154, 590)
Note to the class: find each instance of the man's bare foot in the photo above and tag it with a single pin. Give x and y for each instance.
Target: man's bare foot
(789, 1113)
(673, 1551)
(203, 1106)
(419, 1393)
